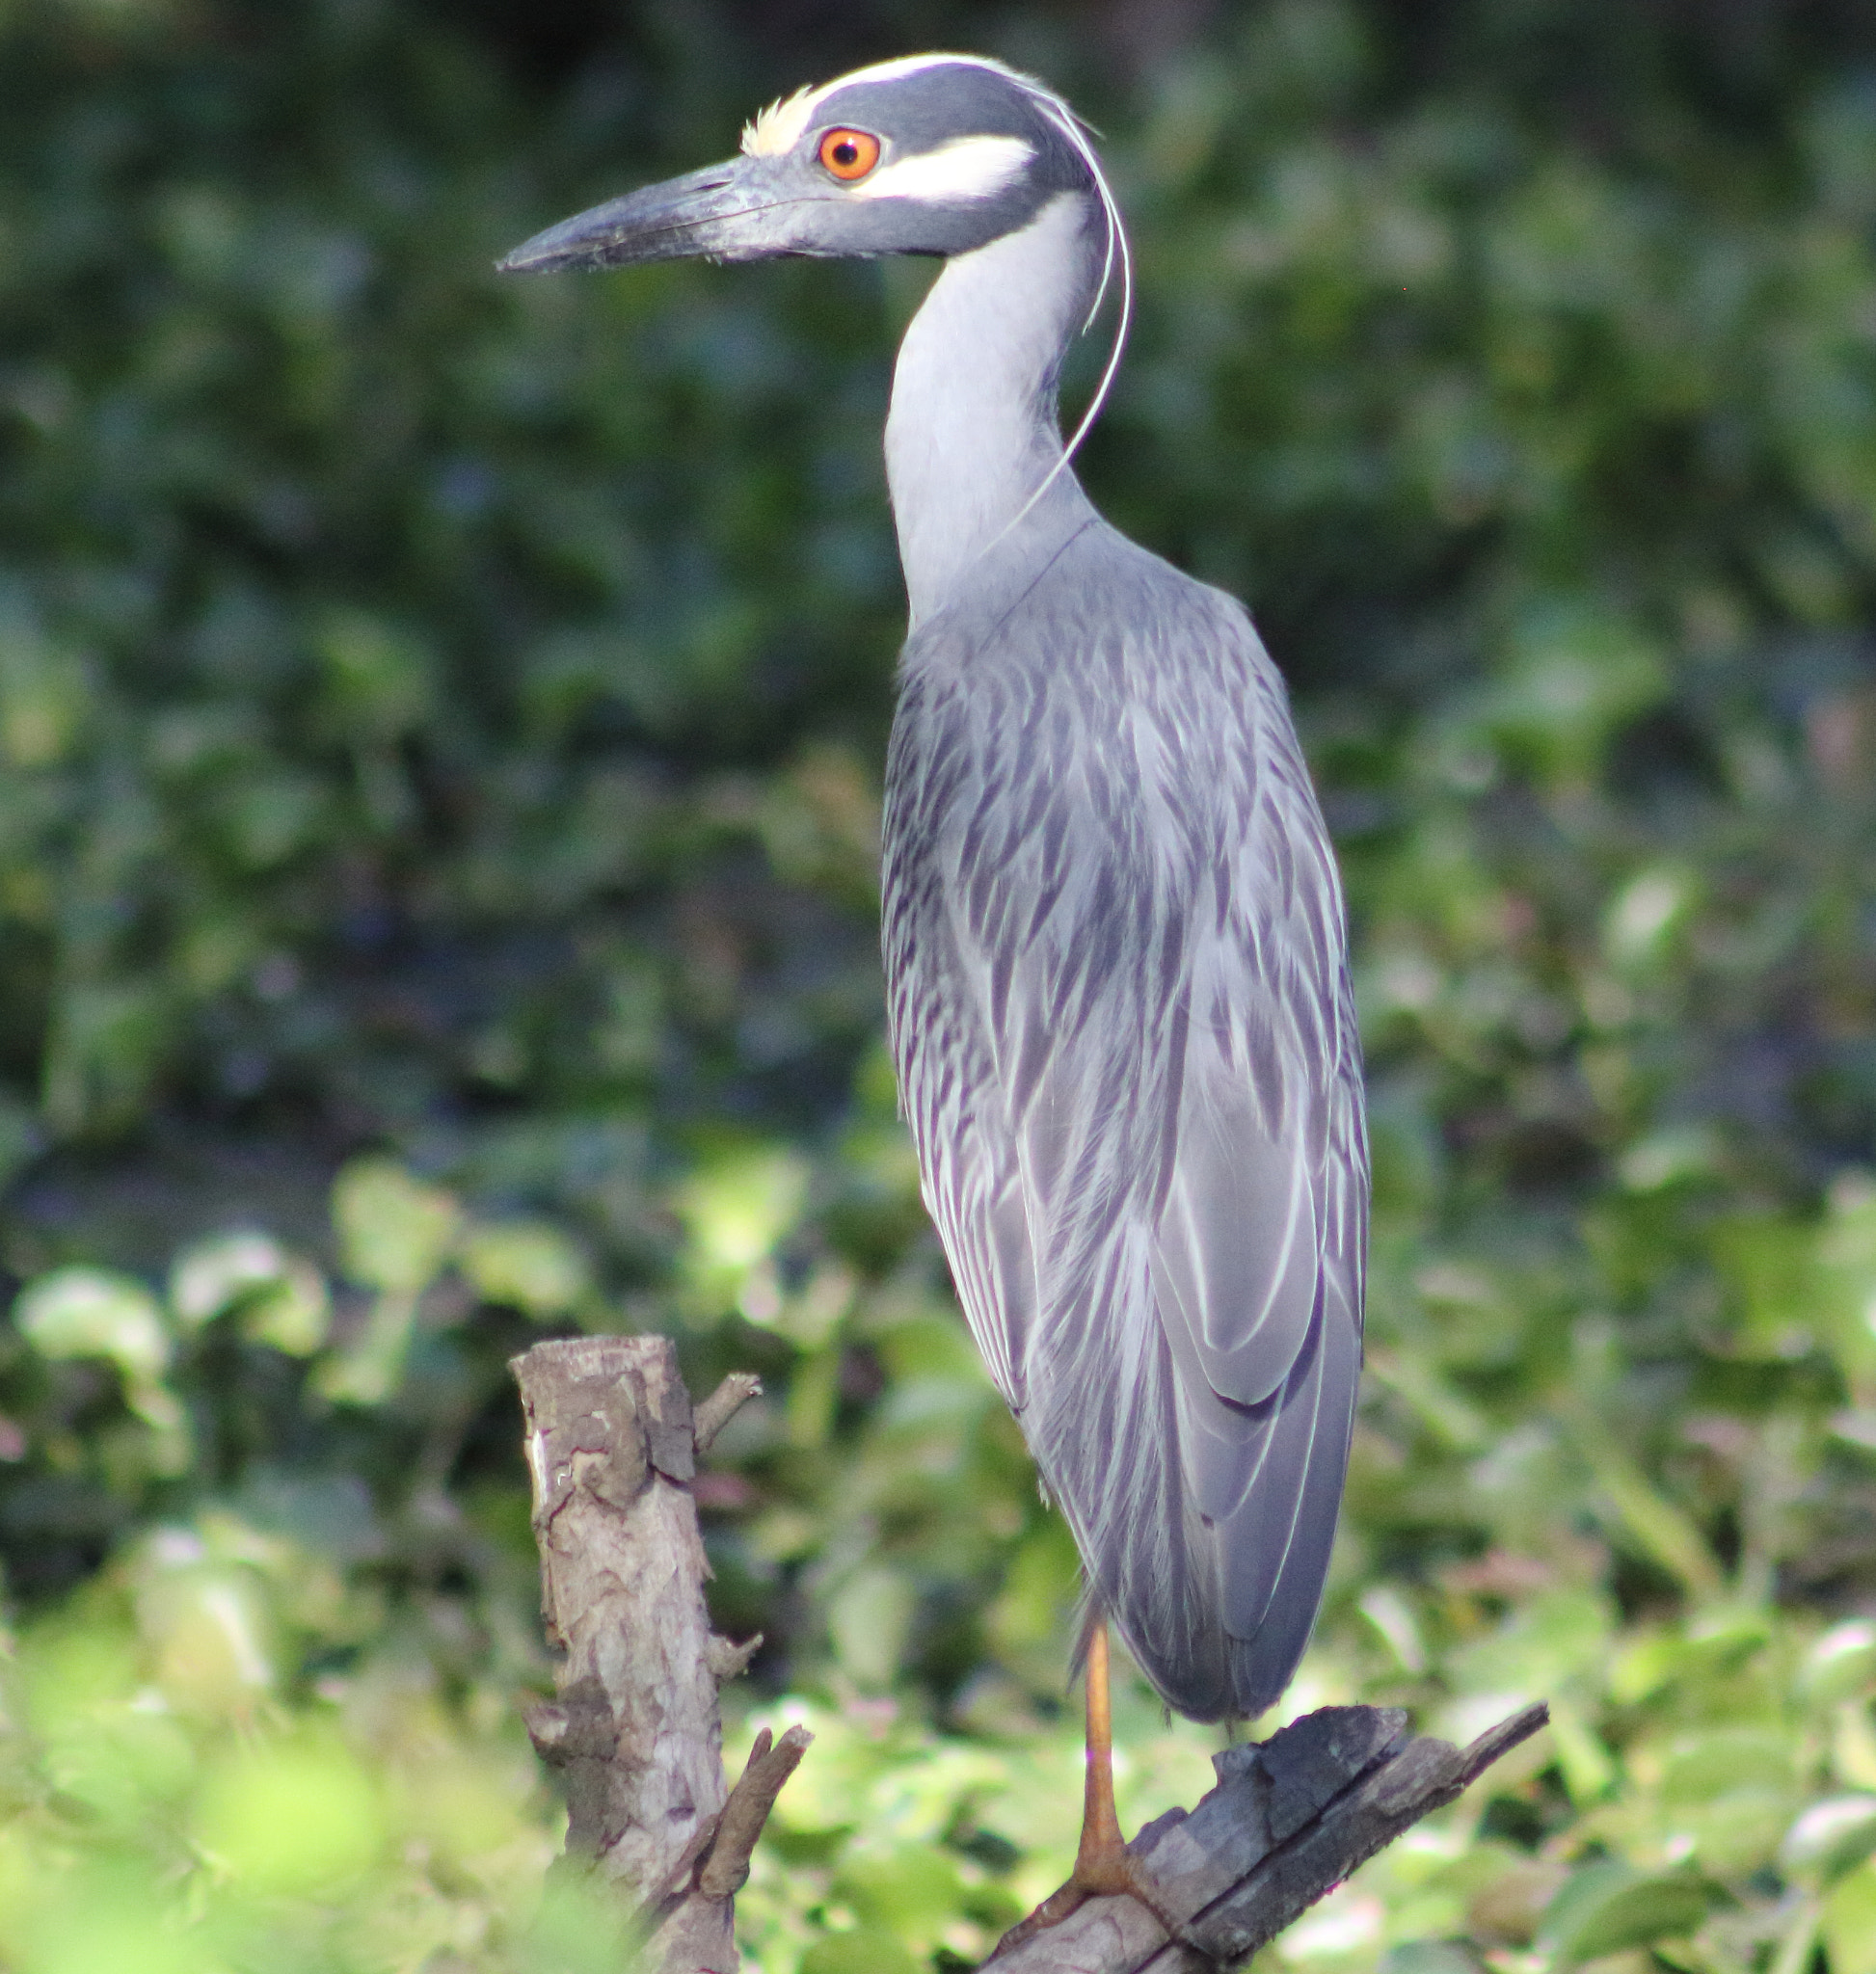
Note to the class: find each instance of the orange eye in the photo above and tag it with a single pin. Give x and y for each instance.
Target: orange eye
(849, 154)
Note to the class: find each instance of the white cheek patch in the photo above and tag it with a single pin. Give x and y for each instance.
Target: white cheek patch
(967, 167)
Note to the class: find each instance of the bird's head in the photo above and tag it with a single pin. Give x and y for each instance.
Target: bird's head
(933, 154)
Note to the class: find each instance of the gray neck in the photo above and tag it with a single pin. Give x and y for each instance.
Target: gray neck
(971, 432)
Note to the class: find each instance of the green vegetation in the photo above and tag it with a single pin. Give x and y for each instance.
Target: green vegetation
(440, 724)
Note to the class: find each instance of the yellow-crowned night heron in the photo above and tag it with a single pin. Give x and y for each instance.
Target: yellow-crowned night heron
(1116, 956)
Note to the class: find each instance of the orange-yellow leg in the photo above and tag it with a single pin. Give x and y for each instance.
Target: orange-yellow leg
(1103, 1863)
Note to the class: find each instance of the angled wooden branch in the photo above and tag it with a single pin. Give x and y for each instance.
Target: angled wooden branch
(634, 1729)
(1290, 1819)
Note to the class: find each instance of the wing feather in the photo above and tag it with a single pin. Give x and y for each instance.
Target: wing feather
(1119, 999)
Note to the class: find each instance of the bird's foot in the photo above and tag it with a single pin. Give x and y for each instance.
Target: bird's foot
(1103, 1868)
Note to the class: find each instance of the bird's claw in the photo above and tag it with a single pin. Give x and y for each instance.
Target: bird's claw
(1052, 1911)
(1100, 1873)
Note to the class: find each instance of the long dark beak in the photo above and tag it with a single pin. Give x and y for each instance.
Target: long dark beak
(725, 212)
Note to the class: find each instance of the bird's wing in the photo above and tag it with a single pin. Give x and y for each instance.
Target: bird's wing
(1131, 1068)
(1257, 1278)
(1190, 1130)
(969, 1172)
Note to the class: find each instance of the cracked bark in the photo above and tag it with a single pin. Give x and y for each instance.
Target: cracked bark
(1290, 1819)
(634, 1729)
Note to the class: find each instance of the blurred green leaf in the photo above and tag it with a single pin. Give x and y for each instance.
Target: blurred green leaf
(379, 675)
(283, 1301)
(736, 1207)
(865, 1949)
(1574, 674)
(871, 1616)
(43, 689)
(1831, 1838)
(1850, 1923)
(1839, 1664)
(910, 1893)
(1728, 1795)
(394, 1232)
(529, 1265)
(290, 1816)
(81, 1312)
(106, 1919)
(1606, 1907)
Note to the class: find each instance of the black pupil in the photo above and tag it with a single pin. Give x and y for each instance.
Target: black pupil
(847, 153)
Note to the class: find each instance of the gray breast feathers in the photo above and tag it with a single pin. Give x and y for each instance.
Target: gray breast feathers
(1119, 997)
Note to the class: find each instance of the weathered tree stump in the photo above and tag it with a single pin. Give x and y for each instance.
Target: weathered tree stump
(634, 1729)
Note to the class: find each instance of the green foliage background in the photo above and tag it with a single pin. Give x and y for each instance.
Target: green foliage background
(441, 725)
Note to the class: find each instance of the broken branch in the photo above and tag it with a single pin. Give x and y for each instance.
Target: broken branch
(634, 1729)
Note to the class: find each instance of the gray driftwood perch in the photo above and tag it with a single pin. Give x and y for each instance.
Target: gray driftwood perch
(1290, 1819)
(634, 1728)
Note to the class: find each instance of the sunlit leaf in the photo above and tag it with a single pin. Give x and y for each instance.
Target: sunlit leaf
(1831, 1836)
(1850, 1923)
(865, 1949)
(736, 1207)
(291, 1815)
(283, 1300)
(394, 1232)
(529, 1265)
(80, 1312)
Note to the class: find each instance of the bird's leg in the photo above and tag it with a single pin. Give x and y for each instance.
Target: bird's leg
(1103, 1863)
(1101, 1859)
